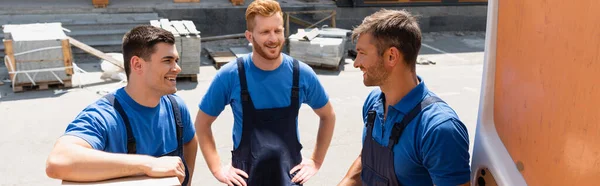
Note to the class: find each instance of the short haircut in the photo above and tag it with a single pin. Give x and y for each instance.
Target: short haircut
(265, 8)
(141, 40)
(393, 28)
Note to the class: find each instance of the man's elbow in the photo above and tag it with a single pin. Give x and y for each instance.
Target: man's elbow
(327, 114)
(57, 167)
(327, 120)
(328, 117)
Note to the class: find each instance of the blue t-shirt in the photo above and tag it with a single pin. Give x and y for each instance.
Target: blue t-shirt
(153, 128)
(434, 150)
(268, 89)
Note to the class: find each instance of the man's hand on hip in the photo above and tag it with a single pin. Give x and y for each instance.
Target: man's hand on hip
(231, 176)
(306, 170)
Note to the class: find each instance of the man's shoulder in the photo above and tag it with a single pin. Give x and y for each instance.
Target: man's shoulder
(230, 69)
(439, 115)
(178, 100)
(100, 111)
(371, 99)
(304, 68)
(103, 104)
(175, 97)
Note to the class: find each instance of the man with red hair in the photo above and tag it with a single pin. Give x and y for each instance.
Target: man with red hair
(265, 89)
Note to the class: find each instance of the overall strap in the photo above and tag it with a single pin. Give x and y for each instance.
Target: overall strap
(178, 122)
(370, 121)
(371, 118)
(242, 74)
(131, 147)
(295, 99)
(399, 127)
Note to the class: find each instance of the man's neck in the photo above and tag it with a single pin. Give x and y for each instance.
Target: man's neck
(266, 64)
(396, 87)
(142, 95)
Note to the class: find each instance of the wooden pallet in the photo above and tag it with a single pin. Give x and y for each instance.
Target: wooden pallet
(100, 6)
(186, 1)
(222, 60)
(220, 57)
(327, 67)
(11, 48)
(190, 77)
(324, 67)
(100, 3)
(41, 86)
(67, 57)
(237, 2)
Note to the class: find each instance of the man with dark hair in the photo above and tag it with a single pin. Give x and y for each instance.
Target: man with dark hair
(265, 89)
(411, 137)
(142, 128)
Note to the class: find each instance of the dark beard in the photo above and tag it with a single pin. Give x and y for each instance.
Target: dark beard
(260, 50)
(376, 75)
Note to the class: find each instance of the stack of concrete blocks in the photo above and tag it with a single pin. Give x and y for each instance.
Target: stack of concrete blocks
(187, 42)
(102, 31)
(327, 49)
(36, 47)
(186, 1)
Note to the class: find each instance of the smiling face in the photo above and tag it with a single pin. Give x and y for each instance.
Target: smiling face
(370, 62)
(267, 36)
(150, 60)
(160, 73)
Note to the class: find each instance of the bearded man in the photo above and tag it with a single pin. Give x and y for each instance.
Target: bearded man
(265, 89)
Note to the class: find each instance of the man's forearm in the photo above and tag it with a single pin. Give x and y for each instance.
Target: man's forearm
(208, 148)
(190, 151)
(352, 178)
(326, 126)
(76, 163)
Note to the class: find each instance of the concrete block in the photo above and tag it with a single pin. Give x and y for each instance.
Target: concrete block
(36, 47)
(25, 46)
(41, 76)
(187, 43)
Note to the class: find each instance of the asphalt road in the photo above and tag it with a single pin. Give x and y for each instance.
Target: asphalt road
(32, 121)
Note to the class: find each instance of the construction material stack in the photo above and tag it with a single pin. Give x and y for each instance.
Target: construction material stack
(100, 3)
(187, 42)
(37, 56)
(319, 47)
(186, 1)
(237, 2)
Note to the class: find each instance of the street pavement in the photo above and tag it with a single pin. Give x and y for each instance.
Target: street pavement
(32, 121)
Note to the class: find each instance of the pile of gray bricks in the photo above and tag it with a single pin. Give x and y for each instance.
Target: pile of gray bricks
(36, 47)
(103, 31)
(187, 42)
